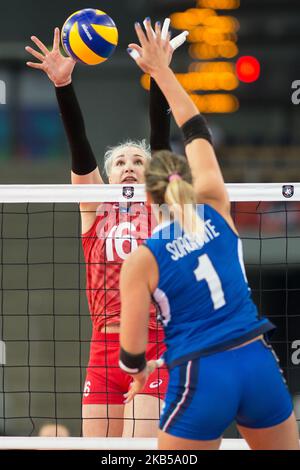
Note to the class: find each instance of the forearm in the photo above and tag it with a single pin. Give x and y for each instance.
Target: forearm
(134, 337)
(135, 302)
(182, 106)
(83, 159)
(160, 119)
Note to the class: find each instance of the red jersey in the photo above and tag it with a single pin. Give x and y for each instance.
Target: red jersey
(118, 229)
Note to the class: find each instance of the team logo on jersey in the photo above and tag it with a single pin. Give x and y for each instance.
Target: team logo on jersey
(156, 383)
(128, 192)
(288, 190)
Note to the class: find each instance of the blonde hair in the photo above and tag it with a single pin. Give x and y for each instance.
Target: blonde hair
(111, 152)
(177, 192)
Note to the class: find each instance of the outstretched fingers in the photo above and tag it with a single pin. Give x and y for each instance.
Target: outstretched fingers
(151, 34)
(40, 45)
(35, 53)
(165, 29)
(141, 35)
(145, 22)
(158, 32)
(56, 39)
(34, 65)
(179, 40)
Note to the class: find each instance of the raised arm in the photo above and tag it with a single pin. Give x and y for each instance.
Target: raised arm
(84, 166)
(208, 181)
(160, 113)
(160, 119)
(59, 70)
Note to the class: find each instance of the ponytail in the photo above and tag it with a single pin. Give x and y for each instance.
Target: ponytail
(169, 181)
(181, 201)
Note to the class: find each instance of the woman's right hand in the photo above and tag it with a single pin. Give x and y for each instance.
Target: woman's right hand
(58, 67)
(154, 52)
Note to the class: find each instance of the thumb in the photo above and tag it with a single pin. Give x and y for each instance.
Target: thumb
(134, 51)
(151, 366)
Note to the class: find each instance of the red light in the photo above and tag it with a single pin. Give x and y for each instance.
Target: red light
(248, 69)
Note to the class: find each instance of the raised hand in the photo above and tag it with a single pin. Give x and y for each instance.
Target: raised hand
(58, 68)
(136, 52)
(154, 52)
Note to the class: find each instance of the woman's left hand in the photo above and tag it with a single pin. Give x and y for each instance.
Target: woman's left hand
(139, 381)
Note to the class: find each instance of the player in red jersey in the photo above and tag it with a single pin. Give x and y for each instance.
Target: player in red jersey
(109, 233)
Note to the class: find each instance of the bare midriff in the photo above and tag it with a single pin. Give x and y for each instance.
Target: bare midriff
(113, 328)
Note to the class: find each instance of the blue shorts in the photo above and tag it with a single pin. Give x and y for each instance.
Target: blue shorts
(205, 395)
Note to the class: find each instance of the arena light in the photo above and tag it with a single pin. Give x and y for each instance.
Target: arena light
(197, 34)
(216, 103)
(220, 4)
(201, 14)
(248, 69)
(203, 51)
(226, 49)
(145, 81)
(208, 81)
(210, 35)
(225, 24)
(191, 18)
(215, 67)
(181, 21)
(213, 37)
(228, 81)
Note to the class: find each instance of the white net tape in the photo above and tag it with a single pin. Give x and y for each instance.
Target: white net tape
(108, 443)
(114, 192)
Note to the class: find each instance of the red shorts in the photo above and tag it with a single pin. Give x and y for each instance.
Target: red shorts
(106, 383)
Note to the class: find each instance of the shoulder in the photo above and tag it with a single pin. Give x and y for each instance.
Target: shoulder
(138, 258)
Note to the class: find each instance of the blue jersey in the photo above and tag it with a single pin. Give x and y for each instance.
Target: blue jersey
(203, 294)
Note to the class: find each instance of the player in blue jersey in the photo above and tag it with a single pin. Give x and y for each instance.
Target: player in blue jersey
(221, 368)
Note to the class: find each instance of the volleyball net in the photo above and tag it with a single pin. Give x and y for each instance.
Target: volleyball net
(45, 324)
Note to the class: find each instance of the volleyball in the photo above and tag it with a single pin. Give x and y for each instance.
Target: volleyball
(90, 36)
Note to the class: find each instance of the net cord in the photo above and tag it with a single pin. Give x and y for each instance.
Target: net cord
(106, 443)
(53, 193)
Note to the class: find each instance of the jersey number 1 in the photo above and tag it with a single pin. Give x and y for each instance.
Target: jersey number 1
(206, 272)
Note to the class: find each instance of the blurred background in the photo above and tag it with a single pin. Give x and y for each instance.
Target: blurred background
(256, 134)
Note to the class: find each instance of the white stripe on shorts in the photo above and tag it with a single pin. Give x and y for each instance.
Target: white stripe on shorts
(183, 398)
